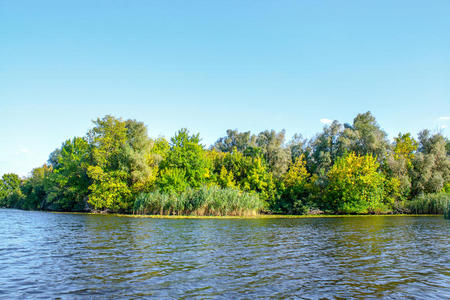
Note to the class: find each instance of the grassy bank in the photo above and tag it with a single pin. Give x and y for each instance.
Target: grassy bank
(257, 216)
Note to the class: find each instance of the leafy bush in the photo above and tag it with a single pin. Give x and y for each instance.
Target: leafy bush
(294, 189)
(355, 185)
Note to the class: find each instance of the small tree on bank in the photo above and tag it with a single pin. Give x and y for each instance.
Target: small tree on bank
(355, 185)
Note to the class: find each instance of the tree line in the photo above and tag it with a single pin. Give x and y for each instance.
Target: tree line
(345, 169)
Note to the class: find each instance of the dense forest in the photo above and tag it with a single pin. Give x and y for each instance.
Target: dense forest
(345, 169)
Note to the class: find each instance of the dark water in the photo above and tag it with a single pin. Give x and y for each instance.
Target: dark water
(46, 255)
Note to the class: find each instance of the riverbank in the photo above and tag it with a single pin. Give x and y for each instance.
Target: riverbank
(247, 217)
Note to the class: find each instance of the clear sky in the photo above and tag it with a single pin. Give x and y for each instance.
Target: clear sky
(213, 65)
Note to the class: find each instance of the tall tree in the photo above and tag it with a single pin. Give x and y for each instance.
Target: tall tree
(398, 162)
(355, 185)
(137, 157)
(298, 146)
(68, 183)
(10, 192)
(274, 151)
(326, 147)
(235, 140)
(188, 156)
(431, 165)
(366, 137)
(35, 188)
(123, 163)
(295, 189)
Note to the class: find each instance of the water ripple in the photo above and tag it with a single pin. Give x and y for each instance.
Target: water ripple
(44, 255)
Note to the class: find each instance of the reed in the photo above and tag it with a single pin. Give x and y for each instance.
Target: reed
(430, 204)
(204, 201)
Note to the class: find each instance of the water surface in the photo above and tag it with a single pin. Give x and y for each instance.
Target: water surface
(46, 255)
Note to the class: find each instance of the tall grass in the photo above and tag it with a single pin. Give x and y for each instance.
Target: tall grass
(205, 201)
(429, 204)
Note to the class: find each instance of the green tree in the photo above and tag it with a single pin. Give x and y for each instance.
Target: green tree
(10, 193)
(226, 178)
(404, 147)
(259, 179)
(68, 184)
(366, 137)
(188, 156)
(269, 144)
(398, 164)
(274, 152)
(235, 140)
(295, 188)
(326, 147)
(123, 163)
(34, 188)
(355, 185)
(172, 180)
(248, 173)
(297, 147)
(138, 159)
(109, 190)
(431, 165)
(107, 138)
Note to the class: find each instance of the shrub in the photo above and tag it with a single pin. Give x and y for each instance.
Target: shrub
(355, 186)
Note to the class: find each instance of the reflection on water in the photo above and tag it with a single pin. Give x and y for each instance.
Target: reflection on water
(64, 255)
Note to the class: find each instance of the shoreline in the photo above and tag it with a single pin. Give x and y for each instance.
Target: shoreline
(243, 217)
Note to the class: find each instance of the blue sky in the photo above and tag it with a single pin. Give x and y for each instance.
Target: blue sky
(213, 65)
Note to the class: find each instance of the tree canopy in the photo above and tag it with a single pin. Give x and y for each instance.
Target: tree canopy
(345, 168)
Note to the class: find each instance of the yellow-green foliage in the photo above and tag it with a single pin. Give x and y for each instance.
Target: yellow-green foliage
(188, 156)
(397, 167)
(294, 188)
(226, 178)
(10, 192)
(259, 179)
(109, 191)
(116, 161)
(172, 180)
(233, 169)
(297, 174)
(446, 188)
(404, 147)
(355, 185)
(34, 188)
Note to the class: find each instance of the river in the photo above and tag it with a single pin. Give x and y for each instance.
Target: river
(48, 255)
